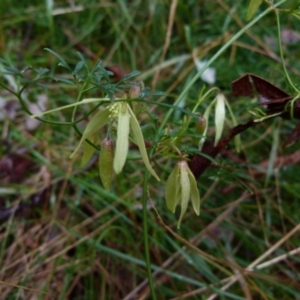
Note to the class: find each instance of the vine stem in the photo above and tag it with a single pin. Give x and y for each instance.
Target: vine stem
(281, 53)
(145, 235)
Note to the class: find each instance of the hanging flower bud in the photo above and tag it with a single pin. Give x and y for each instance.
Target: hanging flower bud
(106, 159)
(201, 125)
(134, 92)
(180, 188)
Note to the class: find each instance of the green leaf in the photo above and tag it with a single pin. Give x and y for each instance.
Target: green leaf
(43, 86)
(219, 117)
(97, 122)
(195, 196)
(11, 79)
(10, 70)
(78, 67)
(41, 72)
(82, 58)
(122, 138)
(130, 75)
(62, 63)
(172, 192)
(139, 140)
(253, 6)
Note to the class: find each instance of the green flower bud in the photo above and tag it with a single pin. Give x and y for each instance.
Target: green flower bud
(134, 92)
(106, 159)
(201, 125)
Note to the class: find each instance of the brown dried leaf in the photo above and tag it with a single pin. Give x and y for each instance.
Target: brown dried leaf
(272, 97)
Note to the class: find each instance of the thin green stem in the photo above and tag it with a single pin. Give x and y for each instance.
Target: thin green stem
(281, 52)
(8, 89)
(25, 108)
(202, 98)
(145, 234)
(79, 99)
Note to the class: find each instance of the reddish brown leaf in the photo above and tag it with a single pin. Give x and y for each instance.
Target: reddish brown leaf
(248, 83)
(270, 96)
(242, 87)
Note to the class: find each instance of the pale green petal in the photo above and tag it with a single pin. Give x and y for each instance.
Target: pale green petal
(219, 117)
(195, 196)
(97, 122)
(106, 158)
(185, 189)
(88, 150)
(172, 192)
(139, 140)
(122, 138)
